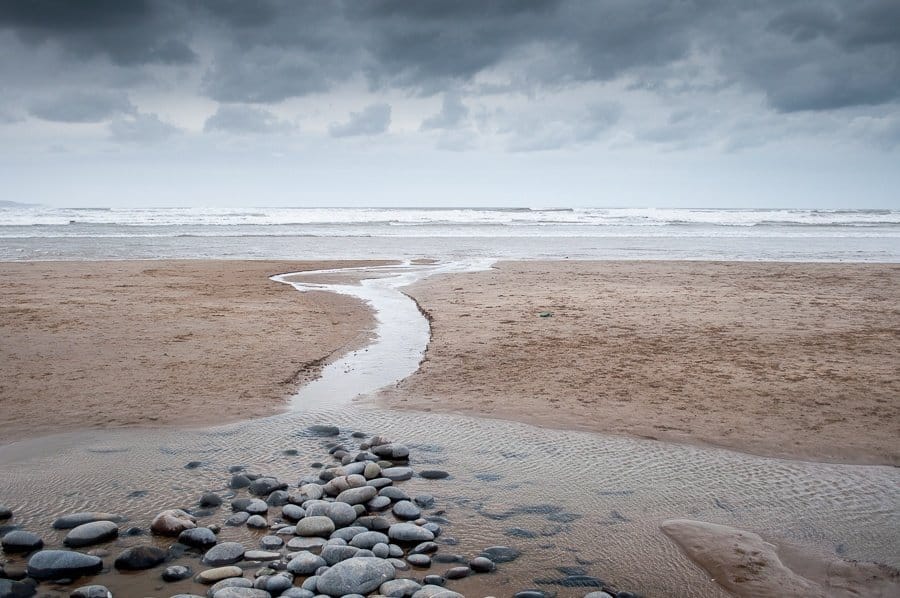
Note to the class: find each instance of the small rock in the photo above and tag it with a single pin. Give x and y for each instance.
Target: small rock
(239, 481)
(257, 521)
(397, 474)
(172, 522)
(419, 560)
(261, 555)
(238, 519)
(138, 558)
(501, 554)
(224, 554)
(426, 501)
(21, 541)
(59, 564)
(406, 510)
(92, 591)
(399, 588)
(457, 572)
(265, 486)
(5, 512)
(482, 564)
(409, 532)
(355, 576)
(305, 563)
(176, 573)
(391, 451)
(76, 519)
(434, 474)
(323, 430)
(199, 537)
(341, 514)
(210, 499)
(211, 576)
(91, 533)
(315, 526)
(270, 542)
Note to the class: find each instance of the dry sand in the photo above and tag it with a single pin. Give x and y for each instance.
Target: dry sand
(795, 360)
(101, 344)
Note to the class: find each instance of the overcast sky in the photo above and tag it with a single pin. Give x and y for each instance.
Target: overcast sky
(739, 103)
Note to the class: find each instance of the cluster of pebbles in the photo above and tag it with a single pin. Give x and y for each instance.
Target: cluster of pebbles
(347, 530)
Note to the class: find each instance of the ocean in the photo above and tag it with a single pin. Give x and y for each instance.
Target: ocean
(45, 233)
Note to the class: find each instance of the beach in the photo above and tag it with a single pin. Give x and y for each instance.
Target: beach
(790, 360)
(161, 343)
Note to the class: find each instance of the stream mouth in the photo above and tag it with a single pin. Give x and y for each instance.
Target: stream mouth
(567, 500)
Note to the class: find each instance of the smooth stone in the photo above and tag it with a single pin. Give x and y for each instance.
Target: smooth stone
(434, 474)
(379, 483)
(419, 560)
(278, 498)
(238, 519)
(210, 499)
(379, 503)
(434, 528)
(138, 558)
(91, 533)
(261, 555)
(371, 471)
(292, 512)
(5, 512)
(597, 595)
(348, 533)
(257, 521)
(199, 537)
(265, 486)
(276, 584)
(305, 563)
(399, 588)
(92, 591)
(239, 481)
(172, 522)
(218, 574)
(233, 582)
(75, 519)
(434, 580)
(334, 554)
(397, 474)
(241, 593)
(318, 525)
(310, 583)
(306, 543)
(482, 564)
(297, 593)
(58, 564)
(224, 554)
(271, 542)
(382, 550)
(393, 493)
(390, 451)
(425, 501)
(357, 496)
(449, 558)
(176, 573)
(434, 591)
(398, 564)
(21, 541)
(501, 554)
(323, 430)
(424, 548)
(409, 532)
(457, 572)
(341, 514)
(406, 510)
(368, 539)
(355, 576)
(254, 506)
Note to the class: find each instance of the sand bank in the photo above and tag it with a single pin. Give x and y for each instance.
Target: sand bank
(795, 360)
(105, 344)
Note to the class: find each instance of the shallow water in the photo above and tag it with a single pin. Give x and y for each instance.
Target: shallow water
(566, 499)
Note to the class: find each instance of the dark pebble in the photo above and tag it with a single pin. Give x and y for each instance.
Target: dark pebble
(434, 474)
(138, 558)
(210, 499)
(239, 480)
(323, 430)
(434, 580)
(193, 465)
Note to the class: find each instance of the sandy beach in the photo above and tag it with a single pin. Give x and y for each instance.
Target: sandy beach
(793, 360)
(173, 343)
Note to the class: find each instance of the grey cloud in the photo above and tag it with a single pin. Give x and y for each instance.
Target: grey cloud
(127, 33)
(82, 107)
(245, 120)
(371, 120)
(453, 113)
(543, 134)
(141, 129)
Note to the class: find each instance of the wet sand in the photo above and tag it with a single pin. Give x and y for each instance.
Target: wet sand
(175, 343)
(779, 359)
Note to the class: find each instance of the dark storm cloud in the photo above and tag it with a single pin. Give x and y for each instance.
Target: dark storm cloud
(82, 107)
(132, 32)
(372, 120)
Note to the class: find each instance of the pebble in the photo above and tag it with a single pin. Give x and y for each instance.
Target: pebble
(397, 474)
(393, 493)
(257, 521)
(318, 525)
(265, 486)
(91, 533)
(355, 576)
(241, 593)
(419, 560)
(409, 532)
(271, 542)
(176, 573)
(305, 563)
(305, 543)
(92, 591)
(399, 588)
(199, 537)
(501, 554)
(5, 512)
(213, 575)
(210, 499)
(297, 593)
(323, 430)
(426, 501)
(138, 558)
(172, 522)
(58, 564)
(21, 541)
(224, 554)
(434, 580)
(292, 512)
(457, 572)
(406, 510)
(482, 564)
(434, 474)
(368, 539)
(276, 584)
(239, 481)
(261, 555)
(598, 595)
(357, 496)
(391, 451)
(75, 519)
(341, 514)
(436, 592)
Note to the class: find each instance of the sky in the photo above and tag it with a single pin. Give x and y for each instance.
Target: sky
(659, 103)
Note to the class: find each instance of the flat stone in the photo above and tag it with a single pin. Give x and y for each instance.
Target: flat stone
(305, 563)
(199, 537)
(501, 554)
(393, 493)
(419, 560)
(369, 539)
(58, 564)
(257, 521)
(232, 582)
(305, 543)
(482, 564)
(434, 591)
(297, 593)
(265, 486)
(409, 532)
(92, 591)
(75, 519)
(292, 512)
(239, 481)
(316, 526)
(218, 574)
(397, 474)
(341, 513)
(457, 572)
(434, 474)
(172, 522)
(271, 542)
(379, 503)
(176, 573)
(406, 510)
(323, 430)
(241, 593)
(261, 555)
(91, 533)
(138, 558)
(357, 496)
(355, 576)
(224, 554)
(399, 588)
(21, 541)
